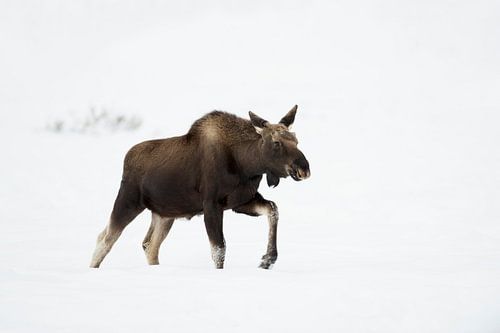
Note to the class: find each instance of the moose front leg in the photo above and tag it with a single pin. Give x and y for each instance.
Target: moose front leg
(260, 206)
(213, 213)
(271, 255)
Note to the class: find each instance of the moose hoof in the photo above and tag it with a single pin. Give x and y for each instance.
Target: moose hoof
(153, 262)
(267, 261)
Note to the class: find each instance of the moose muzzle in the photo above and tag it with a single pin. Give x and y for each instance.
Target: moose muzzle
(299, 170)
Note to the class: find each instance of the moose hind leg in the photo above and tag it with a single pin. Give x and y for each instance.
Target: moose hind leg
(105, 241)
(158, 231)
(124, 211)
(260, 206)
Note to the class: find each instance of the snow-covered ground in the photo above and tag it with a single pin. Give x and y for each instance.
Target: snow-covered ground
(397, 230)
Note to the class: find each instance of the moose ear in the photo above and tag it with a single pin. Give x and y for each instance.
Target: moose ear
(257, 122)
(289, 118)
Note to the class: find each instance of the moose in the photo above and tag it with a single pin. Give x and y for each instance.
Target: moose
(218, 165)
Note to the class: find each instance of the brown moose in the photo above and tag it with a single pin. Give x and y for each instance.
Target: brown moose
(216, 166)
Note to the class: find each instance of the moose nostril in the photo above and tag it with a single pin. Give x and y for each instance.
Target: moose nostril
(302, 167)
(304, 174)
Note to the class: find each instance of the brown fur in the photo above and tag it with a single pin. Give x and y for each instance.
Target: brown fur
(217, 165)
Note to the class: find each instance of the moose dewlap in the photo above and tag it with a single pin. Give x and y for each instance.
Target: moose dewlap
(217, 165)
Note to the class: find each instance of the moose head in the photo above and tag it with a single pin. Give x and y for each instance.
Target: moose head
(279, 150)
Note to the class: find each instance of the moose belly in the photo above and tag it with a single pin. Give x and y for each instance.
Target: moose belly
(181, 197)
(172, 196)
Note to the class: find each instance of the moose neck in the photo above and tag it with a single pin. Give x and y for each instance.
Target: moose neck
(248, 156)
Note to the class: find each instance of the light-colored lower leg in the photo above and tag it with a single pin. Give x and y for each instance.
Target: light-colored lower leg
(158, 231)
(105, 241)
(147, 238)
(268, 259)
(218, 255)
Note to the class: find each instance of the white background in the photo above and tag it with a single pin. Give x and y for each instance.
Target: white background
(397, 230)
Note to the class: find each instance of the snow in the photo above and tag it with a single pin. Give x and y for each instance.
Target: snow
(397, 230)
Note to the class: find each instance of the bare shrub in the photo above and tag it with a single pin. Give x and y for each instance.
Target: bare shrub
(95, 121)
